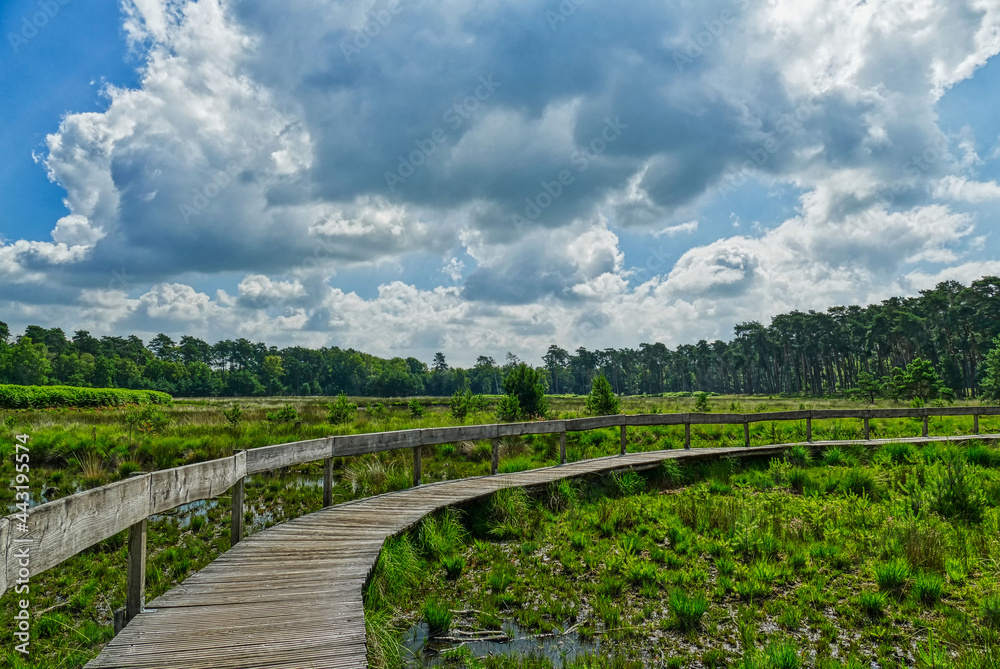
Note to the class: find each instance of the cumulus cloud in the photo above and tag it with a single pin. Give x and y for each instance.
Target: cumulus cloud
(279, 143)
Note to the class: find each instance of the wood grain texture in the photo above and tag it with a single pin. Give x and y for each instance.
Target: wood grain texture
(268, 458)
(582, 424)
(171, 488)
(70, 525)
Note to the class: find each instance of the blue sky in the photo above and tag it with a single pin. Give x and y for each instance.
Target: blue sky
(243, 168)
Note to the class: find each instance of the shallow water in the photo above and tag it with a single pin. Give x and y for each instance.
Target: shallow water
(426, 652)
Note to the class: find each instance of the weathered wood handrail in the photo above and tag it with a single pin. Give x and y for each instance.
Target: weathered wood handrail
(68, 526)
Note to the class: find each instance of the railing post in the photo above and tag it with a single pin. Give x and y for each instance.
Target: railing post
(809, 429)
(236, 513)
(975, 424)
(328, 482)
(746, 433)
(135, 581)
(927, 430)
(495, 456)
(417, 473)
(624, 430)
(687, 435)
(562, 447)
(868, 429)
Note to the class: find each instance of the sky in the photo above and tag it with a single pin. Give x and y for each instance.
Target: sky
(481, 176)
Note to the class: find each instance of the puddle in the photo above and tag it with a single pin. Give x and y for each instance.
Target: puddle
(518, 642)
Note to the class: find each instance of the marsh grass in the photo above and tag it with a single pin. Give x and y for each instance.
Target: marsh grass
(713, 510)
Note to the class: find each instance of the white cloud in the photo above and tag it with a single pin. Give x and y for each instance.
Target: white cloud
(961, 189)
(680, 229)
(253, 149)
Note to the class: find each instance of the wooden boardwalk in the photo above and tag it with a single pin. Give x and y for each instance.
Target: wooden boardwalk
(290, 596)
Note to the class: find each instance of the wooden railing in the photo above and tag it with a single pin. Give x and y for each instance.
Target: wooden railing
(64, 528)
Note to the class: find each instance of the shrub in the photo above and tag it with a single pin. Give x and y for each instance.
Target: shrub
(892, 576)
(45, 397)
(525, 383)
(602, 400)
(953, 490)
(417, 409)
(378, 412)
(928, 588)
(437, 615)
(148, 419)
(701, 403)
(687, 610)
(286, 414)
(233, 415)
(509, 409)
(342, 411)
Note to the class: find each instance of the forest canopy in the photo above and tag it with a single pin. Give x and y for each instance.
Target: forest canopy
(951, 330)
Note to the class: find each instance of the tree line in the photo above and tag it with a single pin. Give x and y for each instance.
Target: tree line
(952, 329)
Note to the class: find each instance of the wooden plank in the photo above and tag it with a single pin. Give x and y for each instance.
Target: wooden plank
(717, 418)
(624, 439)
(171, 488)
(597, 422)
(328, 482)
(135, 582)
(70, 525)
(417, 469)
(494, 456)
(236, 513)
(452, 435)
(535, 427)
(654, 419)
(562, 448)
(835, 414)
(375, 442)
(782, 415)
(952, 411)
(268, 458)
(895, 413)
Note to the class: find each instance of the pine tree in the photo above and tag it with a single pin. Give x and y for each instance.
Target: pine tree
(602, 400)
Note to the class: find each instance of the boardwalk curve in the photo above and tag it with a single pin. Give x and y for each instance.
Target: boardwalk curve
(291, 596)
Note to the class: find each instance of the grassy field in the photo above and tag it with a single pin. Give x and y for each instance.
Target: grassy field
(841, 558)
(73, 450)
